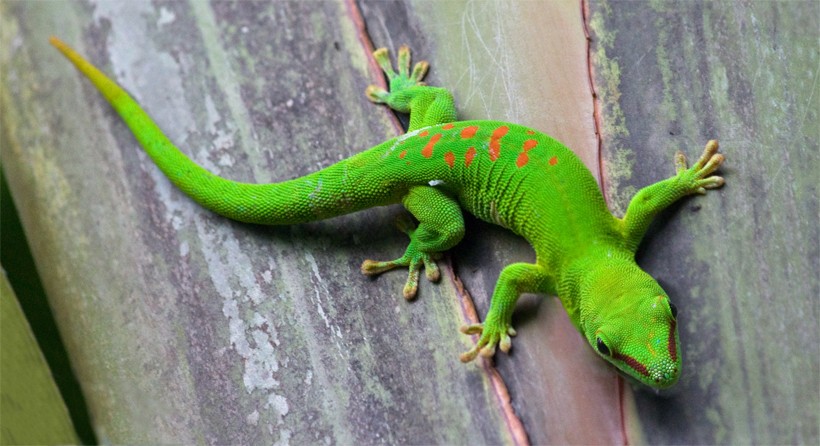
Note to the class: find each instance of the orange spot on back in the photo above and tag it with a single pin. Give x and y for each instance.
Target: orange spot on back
(424, 133)
(531, 132)
(522, 160)
(529, 144)
(403, 154)
(499, 132)
(553, 161)
(468, 157)
(447, 126)
(469, 132)
(427, 151)
(450, 159)
(495, 141)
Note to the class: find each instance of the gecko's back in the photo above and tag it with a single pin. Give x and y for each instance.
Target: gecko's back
(503, 173)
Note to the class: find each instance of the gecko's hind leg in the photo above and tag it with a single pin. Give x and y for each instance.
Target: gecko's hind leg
(408, 94)
(441, 226)
(400, 81)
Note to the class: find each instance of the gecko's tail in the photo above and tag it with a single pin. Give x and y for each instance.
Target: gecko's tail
(288, 202)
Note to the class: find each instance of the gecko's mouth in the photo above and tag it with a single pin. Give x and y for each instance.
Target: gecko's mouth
(633, 363)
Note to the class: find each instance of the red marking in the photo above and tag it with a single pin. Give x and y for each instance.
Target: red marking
(424, 133)
(632, 362)
(468, 132)
(427, 151)
(672, 347)
(447, 126)
(403, 154)
(495, 141)
(468, 157)
(522, 160)
(553, 161)
(529, 144)
(531, 132)
(500, 132)
(450, 159)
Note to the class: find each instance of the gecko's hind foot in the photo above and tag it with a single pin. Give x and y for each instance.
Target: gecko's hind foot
(413, 259)
(402, 80)
(700, 174)
(414, 262)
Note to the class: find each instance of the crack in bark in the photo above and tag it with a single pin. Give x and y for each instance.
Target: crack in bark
(469, 314)
(355, 14)
(596, 106)
(596, 120)
(514, 423)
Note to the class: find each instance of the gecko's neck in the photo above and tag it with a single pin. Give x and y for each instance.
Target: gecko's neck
(581, 276)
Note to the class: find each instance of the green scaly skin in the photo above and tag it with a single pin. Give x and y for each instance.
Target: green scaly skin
(503, 173)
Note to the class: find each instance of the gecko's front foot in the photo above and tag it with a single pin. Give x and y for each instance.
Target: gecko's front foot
(400, 81)
(413, 258)
(492, 334)
(698, 176)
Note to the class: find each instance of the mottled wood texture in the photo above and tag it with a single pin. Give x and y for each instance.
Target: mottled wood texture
(186, 327)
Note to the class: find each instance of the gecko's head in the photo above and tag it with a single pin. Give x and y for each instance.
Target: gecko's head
(634, 326)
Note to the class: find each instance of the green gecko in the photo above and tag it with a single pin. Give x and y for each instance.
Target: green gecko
(502, 173)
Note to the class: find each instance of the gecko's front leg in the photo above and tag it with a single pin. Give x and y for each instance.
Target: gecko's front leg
(649, 201)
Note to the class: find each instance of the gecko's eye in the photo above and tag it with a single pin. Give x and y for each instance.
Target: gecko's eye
(674, 310)
(602, 347)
